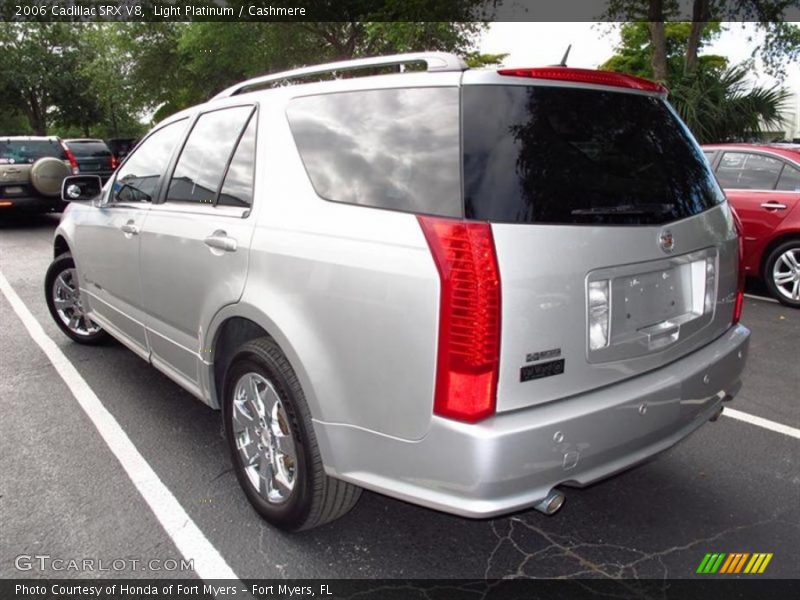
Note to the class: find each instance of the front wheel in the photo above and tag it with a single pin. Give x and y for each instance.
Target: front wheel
(782, 273)
(272, 443)
(65, 304)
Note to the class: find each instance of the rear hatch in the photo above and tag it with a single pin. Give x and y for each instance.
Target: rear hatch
(616, 250)
(93, 156)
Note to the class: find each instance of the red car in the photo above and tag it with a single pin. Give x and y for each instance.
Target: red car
(762, 182)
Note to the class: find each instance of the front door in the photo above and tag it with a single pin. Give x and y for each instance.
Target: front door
(108, 239)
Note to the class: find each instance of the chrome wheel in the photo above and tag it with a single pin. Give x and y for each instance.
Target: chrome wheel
(786, 274)
(69, 308)
(263, 438)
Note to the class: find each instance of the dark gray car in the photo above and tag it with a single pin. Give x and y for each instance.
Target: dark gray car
(94, 157)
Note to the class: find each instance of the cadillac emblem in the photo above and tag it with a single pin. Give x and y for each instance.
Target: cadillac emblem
(666, 241)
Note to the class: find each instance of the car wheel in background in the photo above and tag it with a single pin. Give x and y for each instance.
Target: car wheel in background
(782, 273)
(64, 302)
(272, 442)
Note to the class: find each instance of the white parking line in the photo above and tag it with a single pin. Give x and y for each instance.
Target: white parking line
(761, 422)
(190, 541)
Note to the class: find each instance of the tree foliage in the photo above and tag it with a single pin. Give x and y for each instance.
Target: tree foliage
(714, 99)
(102, 78)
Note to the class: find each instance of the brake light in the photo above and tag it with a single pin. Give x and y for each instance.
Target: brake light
(739, 302)
(469, 317)
(73, 162)
(588, 76)
(114, 163)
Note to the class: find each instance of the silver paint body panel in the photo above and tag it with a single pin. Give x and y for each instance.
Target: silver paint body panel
(351, 294)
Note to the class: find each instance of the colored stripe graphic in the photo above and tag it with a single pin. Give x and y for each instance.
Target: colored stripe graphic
(765, 563)
(728, 564)
(741, 563)
(722, 563)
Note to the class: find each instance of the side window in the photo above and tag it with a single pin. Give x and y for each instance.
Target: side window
(790, 179)
(744, 171)
(710, 154)
(137, 180)
(395, 148)
(237, 189)
(201, 165)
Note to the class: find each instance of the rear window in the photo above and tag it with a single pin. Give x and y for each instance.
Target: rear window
(91, 149)
(396, 149)
(537, 154)
(26, 152)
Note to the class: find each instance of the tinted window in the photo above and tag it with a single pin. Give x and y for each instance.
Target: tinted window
(204, 157)
(237, 189)
(91, 148)
(556, 155)
(27, 152)
(790, 179)
(395, 149)
(745, 171)
(137, 180)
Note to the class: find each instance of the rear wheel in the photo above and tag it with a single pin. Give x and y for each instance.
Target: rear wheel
(272, 442)
(62, 293)
(782, 273)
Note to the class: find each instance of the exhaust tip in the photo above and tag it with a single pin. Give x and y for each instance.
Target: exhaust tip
(552, 503)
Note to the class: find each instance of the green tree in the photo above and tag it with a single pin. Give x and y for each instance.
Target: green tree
(782, 39)
(37, 66)
(180, 64)
(714, 99)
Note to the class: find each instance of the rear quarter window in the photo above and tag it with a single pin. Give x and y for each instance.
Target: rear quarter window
(395, 149)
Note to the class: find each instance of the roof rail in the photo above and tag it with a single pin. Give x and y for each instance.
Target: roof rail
(435, 61)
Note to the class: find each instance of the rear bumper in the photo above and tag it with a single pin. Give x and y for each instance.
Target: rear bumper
(511, 461)
(30, 204)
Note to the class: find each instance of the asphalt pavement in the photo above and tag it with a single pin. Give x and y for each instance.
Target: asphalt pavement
(733, 486)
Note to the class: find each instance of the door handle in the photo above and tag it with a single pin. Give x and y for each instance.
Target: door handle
(774, 206)
(221, 241)
(130, 229)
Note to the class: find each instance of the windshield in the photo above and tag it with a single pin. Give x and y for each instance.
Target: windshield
(542, 154)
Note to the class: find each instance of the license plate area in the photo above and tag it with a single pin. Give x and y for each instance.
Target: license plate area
(655, 305)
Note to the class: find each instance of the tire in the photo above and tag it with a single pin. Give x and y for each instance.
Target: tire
(47, 175)
(782, 273)
(284, 479)
(61, 287)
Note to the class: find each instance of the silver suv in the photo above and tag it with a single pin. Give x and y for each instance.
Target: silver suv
(461, 288)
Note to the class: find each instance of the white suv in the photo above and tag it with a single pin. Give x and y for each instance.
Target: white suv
(459, 288)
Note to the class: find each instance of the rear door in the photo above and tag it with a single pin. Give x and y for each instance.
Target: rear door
(763, 190)
(616, 250)
(195, 244)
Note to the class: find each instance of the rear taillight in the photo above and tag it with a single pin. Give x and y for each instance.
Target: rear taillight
(587, 76)
(739, 302)
(469, 317)
(114, 163)
(73, 162)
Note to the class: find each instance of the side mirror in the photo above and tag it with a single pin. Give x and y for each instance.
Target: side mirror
(80, 188)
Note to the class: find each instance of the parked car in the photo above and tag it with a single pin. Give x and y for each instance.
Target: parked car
(94, 157)
(762, 183)
(31, 172)
(303, 257)
(120, 147)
